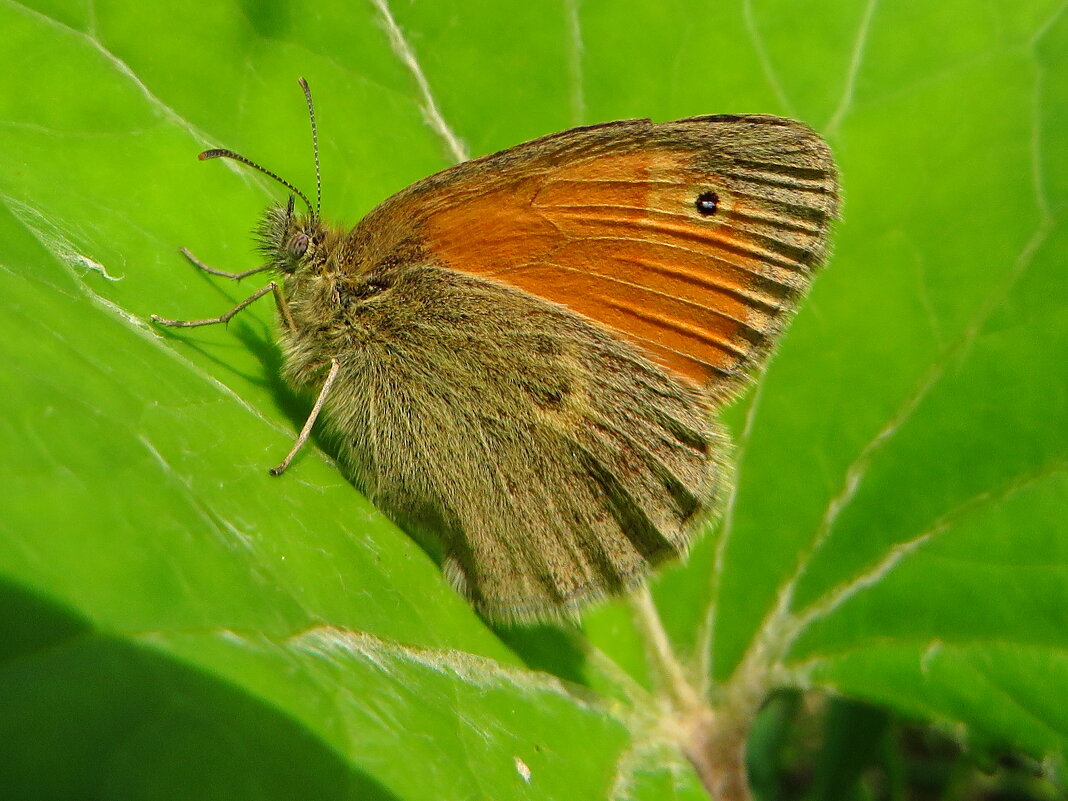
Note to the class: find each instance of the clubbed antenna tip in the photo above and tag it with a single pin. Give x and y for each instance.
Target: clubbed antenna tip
(219, 152)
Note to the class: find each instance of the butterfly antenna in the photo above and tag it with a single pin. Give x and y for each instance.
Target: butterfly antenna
(315, 146)
(218, 152)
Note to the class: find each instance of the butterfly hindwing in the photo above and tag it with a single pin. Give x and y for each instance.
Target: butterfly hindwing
(552, 462)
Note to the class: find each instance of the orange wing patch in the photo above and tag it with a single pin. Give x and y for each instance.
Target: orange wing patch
(618, 238)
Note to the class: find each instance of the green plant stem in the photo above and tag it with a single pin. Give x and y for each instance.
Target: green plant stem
(713, 739)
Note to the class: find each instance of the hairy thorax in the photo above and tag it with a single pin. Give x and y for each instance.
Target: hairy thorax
(352, 315)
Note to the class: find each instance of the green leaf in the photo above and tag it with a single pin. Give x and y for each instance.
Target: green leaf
(175, 622)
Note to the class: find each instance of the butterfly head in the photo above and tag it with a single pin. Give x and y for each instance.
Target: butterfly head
(291, 242)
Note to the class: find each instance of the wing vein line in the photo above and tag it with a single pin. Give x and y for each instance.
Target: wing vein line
(791, 223)
(677, 325)
(733, 246)
(792, 284)
(651, 291)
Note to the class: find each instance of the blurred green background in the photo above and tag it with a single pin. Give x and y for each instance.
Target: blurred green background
(174, 623)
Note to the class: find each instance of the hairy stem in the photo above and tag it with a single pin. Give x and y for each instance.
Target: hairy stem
(666, 666)
(712, 737)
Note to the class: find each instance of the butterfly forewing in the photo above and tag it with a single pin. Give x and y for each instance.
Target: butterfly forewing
(608, 222)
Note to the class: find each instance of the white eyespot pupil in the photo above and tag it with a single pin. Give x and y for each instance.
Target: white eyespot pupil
(707, 203)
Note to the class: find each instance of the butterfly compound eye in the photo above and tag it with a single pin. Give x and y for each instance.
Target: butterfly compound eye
(298, 245)
(707, 203)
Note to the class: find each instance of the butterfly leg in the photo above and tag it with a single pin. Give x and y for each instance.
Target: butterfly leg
(335, 367)
(212, 271)
(279, 299)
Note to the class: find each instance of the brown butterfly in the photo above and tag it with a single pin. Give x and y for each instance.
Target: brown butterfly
(522, 355)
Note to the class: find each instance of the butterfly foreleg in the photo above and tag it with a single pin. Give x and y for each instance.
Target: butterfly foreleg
(279, 299)
(222, 273)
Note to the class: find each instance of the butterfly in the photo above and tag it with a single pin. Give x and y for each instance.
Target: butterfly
(522, 357)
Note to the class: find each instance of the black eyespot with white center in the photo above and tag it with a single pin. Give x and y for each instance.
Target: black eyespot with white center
(707, 203)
